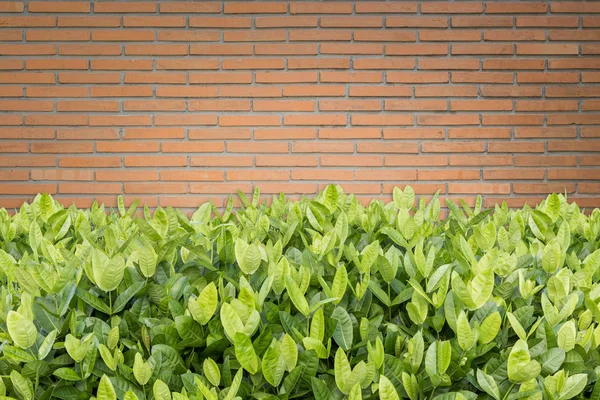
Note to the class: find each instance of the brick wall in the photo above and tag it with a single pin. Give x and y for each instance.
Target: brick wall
(178, 102)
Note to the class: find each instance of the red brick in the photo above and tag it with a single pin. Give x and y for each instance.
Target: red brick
(479, 188)
(358, 49)
(284, 133)
(29, 22)
(286, 161)
(416, 49)
(351, 22)
(574, 7)
(416, 22)
(454, 119)
(255, 36)
(125, 7)
(86, 22)
(315, 91)
(187, 176)
(62, 148)
(177, 35)
(389, 175)
(221, 161)
(456, 35)
(89, 49)
(11, 36)
(388, 147)
(349, 105)
(28, 161)
(550, 161)
(500, 119)
(156, 49)
(385, 7)
(184, 119)
(153, 22)
(12, 91)
(44, 64)
(25, 188)
(26, 133)
(263, 147)
(510, 174)
(416, 161)
(11, 7)
(257, 7)
(285, 105)
(477, 161)
(156, 161)
(514, 35)
(127, 147)
(320, 8)
(186, 7)
(221, 77)
(416, 105)
(318, 63)
(516, 8)
(121, 91)
(219, 105)
(554, 21)
(185, 64)
(573, 174)
(155, 77)
(27, 49)
(131, 175)
(515, 147)
(351, 161)
(53, 35)
(285, 49)
(117, 120)
(417, 77)
(452, 147)
(584, 188)
(519, 188)
(25, 105)
(225, 188)
(317, 120)
(413, 133)
(250, 63)
(511, 91)
(87, 105)
(192, 147)
(42, 91)
(127, 35)
(480, 105)
(479, 133)
(249, 120)
(217, 22)
(14, 147)
(49, 119)
(167, 188)
(446, 91)
(349, 133)
(448, 175)
(87, 133)
(322, 147)
(310, 35)
(14, 175)
(154, 105)
(58, 6)
(378, 91)
(590, 132)
(482, 22)
(61, 175)
(318, 175)
(558, 132)
(482, 77)
(382, 119)
(511, 64)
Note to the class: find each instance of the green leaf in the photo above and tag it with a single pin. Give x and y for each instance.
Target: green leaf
(344, 331)
(21, 330)
(107, 274)
(387, 391)
(247, 256)
(161, 391)
(245, 354)
(204, 307)
(211, 371)
(488, 384)
(106, 390)
(67, 374)
(296, 296)
(128, 294)
(289, 351)
(21, 385)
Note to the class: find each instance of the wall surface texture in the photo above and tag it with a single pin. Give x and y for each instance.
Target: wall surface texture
(179, 102)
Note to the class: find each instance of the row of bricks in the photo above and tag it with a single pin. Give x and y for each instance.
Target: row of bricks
(291, 188)
(326, 22)
(71, 119)
(356, 63)
(260, 134)
(220, 161)
(300, 35)
(296, 105)
(431, 174)
(321, 90)
(275, 77)
(299, 7)
(293, 49)
(517, 146)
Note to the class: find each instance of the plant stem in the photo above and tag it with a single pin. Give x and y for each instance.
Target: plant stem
(509, 390)
(110, 301)
(390, 307)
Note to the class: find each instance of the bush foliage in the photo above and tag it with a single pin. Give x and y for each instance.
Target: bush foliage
(320, 298)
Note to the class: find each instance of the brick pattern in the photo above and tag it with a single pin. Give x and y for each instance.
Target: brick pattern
(176, 102)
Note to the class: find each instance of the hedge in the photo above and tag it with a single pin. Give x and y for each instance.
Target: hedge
(319, 298)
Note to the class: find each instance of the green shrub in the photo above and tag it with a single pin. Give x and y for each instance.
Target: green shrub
(321, 298)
